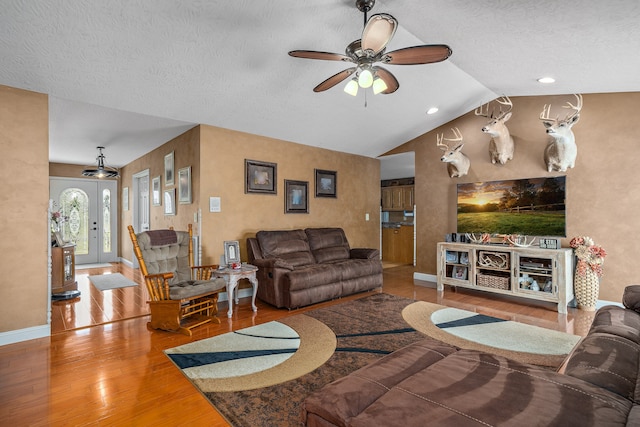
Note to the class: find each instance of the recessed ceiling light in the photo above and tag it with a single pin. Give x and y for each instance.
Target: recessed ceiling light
(432, 110)
(546, 80)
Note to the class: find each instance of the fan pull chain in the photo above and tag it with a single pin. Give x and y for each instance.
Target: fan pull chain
(365, 98)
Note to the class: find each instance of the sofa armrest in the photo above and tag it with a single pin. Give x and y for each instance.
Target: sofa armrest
(269, 263)
(364, 253)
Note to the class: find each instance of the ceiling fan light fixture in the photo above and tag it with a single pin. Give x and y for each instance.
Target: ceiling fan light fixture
(100, 170)
(352, 87)
(379, 86)
(365, 80)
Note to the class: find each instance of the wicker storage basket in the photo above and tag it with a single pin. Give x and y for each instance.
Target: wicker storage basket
(492, 281)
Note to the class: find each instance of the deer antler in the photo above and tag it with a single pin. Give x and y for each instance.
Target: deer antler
(483, 110)
(457, 134)
(577, 107)
(504, 100)
(546, 110)
(440, 137)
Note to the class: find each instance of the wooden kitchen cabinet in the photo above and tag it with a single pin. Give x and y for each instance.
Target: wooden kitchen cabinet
(398, 198)
(397, 244)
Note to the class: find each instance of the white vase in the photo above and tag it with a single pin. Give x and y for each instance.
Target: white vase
(587, 288)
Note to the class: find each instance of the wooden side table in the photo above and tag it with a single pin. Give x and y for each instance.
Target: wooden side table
(231, 277)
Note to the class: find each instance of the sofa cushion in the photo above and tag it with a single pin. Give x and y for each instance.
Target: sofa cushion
(166, 257)
(311, 276)
(608, 361)
(291, 246)
(617, 321)
(192, 288)
(328, 244)
(631, 297)
(354, 268)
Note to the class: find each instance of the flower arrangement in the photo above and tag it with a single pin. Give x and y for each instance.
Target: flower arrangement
(57, 219)
(589, 255)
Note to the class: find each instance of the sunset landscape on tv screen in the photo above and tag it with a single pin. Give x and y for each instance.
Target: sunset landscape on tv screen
(531, 207)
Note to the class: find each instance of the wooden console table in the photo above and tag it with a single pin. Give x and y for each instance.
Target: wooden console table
(231, 276)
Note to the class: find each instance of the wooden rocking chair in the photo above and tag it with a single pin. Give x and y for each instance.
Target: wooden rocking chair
(183, 296)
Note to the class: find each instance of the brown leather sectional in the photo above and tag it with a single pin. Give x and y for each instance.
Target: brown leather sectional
(302, 267)
(432, 383)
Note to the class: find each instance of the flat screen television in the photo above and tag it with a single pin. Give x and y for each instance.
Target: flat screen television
(530, 207)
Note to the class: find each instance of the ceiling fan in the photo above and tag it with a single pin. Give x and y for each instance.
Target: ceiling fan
(368, 51)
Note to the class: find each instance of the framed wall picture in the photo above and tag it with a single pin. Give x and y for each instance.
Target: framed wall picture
(296, 196)
(231, 252)
(459, 272)
(326, 183)
(168, 169)
(170, 201)
(155, 191)
(260, 177)
(125, 199)
(184, 186)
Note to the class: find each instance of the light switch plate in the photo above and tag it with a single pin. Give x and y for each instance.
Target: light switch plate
(214, 204)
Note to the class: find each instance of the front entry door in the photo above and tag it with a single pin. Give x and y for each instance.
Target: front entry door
(90, 208)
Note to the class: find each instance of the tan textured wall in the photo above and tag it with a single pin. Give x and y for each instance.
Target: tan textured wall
(603, 199)
(186, 149)
(24, 138)
(217, 159)
(222, 157)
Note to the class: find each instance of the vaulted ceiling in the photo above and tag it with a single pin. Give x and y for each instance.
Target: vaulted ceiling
(132, 74)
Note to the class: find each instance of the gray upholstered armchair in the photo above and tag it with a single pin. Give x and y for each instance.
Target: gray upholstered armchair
(182, 296)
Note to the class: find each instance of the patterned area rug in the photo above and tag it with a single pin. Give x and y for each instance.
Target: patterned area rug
(259, 376)
(465, 329)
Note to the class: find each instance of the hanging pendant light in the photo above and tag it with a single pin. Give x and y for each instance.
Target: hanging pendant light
(100, 171)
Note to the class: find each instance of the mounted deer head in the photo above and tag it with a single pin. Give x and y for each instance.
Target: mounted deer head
(457, 163)
(501, 146)
(561, 152)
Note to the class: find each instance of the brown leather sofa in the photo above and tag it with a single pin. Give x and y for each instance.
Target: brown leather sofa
(302, 267)
(432, 383)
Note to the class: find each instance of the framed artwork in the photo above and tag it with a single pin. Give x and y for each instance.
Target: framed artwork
(155, 191)
(170, 201)
(125, 199)
(452, 256)
(168, 169)
(459, 272)
(296, 196)
(231, 252)
(260, 177)
(58, 240)
(184, 186)
(326, 183)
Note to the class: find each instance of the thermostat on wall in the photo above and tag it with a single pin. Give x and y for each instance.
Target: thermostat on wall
(549, 243)
(214, 204)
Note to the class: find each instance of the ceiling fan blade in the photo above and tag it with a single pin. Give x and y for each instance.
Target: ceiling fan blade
(425, 54)
(334, 80)
(312, 54)
(389, 79)
(379, 30)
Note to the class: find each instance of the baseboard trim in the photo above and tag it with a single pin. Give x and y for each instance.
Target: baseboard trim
(26, 334)
(425, 277)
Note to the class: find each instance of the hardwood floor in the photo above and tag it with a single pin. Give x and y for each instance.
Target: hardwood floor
(115, 373)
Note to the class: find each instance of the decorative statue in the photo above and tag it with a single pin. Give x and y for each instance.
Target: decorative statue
(561, 152)
(501, 146)
(457, 163)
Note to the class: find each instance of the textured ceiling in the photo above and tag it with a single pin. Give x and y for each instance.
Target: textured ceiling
(132, 74)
